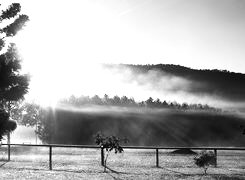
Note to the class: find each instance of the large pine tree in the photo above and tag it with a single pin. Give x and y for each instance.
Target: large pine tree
(13, 85)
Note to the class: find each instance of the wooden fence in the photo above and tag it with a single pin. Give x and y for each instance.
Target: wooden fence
(51, 146)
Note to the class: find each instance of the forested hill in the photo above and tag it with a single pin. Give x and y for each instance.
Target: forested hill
(222, 83)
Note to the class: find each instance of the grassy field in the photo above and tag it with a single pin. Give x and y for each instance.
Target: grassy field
(33, 163)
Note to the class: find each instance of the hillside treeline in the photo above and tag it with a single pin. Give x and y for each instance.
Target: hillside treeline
(222, 83)
(125, 101)
(150, 127)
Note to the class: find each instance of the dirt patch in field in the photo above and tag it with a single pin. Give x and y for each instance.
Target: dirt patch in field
(184, 151)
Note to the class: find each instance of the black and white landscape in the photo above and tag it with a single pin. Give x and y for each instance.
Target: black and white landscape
(156, 82)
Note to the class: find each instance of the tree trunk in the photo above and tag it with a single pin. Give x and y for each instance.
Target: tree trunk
(8, 138)
(9, 111)
(106, 161)
(205, 170)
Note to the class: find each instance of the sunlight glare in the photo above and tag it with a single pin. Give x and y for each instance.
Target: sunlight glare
(62, 52)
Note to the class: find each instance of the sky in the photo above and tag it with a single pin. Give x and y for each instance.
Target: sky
(66, 39)
(194, 33)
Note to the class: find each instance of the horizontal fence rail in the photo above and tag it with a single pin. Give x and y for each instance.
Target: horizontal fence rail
(156, 148)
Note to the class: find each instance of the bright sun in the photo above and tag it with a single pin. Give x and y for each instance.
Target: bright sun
(62, 51)
(62, 48)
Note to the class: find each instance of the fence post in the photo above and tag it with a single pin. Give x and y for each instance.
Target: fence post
(157, 158)
(215, 154)
(50, 157)
(102, 156)
(8, 152)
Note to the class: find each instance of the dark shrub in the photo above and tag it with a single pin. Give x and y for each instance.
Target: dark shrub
(205, 159)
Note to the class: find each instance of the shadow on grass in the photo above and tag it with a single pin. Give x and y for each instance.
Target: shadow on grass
(21, 169)
(116, 178)
(215, 176)
(118, 173)
(114, 171)
(236, 171)
(55, 170)
(1, 165)
(90, 171)
(115, 174)
(172, 171)
(72, 171)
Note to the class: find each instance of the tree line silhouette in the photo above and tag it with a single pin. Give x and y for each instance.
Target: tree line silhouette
(169, 128)
(225, 84)
(34, 115)
(125, 101)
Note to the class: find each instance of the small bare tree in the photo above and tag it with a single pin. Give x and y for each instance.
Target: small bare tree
(205, 159)
(109, 143)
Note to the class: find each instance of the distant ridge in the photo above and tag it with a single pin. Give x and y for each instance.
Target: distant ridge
(221, 83)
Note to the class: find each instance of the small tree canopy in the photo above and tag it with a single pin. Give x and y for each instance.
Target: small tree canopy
(11, 12)
(13, 85)
(205, 159)
(6, 125)
(109, 143)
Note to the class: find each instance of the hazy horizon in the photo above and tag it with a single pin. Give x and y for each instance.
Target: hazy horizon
(65, 41)
(201, 34)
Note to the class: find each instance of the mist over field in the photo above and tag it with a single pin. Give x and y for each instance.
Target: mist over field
(146, 126)
(74, 123)
(219, 88)
(166, 127)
